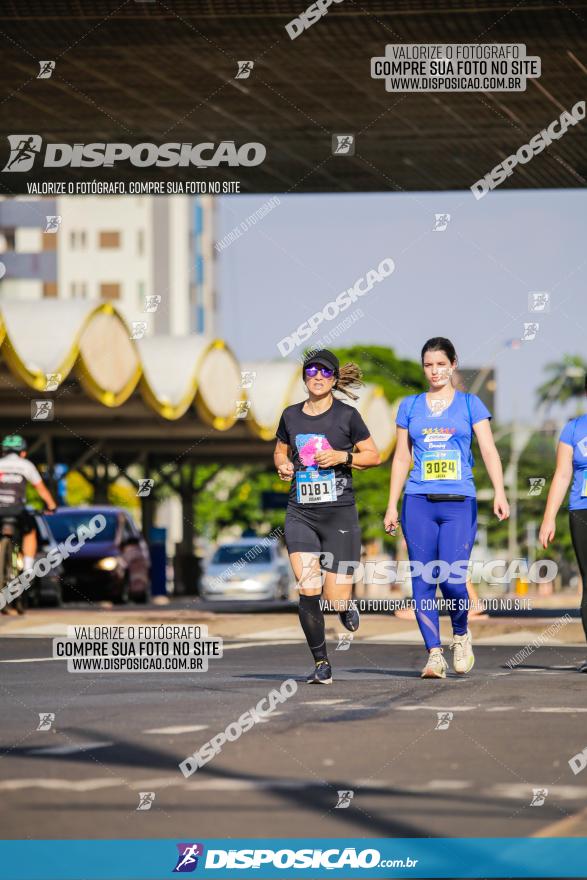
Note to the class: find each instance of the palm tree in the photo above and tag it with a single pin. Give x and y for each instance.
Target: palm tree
(566, 382)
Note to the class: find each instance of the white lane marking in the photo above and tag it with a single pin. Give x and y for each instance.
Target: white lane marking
(323, 702)
(436, 708)
(431, 785)
(521, 790)
(59, 784)
(32, 660)
(178, 781)
(408, 636)
(151, 784)
(568, 710)
(176, 731)
(444, 784)
(47, 629)
(521, 637)
(190, 728)
(69, 749)
(277, 634)
(557, 709)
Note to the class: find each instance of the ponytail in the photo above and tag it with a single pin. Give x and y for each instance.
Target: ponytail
(349, 376)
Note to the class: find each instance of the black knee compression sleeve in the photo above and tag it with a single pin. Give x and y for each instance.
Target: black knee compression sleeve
(312, 621)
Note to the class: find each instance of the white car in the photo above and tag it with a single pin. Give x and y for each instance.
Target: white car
(249, 568)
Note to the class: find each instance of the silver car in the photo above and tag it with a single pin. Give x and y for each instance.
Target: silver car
(250, 568)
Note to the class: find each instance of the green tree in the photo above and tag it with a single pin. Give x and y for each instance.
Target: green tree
(236, 499)
(566, 381)
(380, 365)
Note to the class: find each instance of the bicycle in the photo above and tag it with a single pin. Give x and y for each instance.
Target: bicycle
(10, 550)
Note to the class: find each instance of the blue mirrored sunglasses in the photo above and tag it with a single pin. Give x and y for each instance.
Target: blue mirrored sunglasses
(313, 369)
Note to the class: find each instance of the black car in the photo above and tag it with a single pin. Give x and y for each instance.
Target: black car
(114, 564)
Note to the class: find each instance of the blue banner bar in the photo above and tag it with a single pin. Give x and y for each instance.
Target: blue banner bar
(293, 857)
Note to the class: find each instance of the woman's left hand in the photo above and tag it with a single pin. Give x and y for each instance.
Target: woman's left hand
(329, 458)
(501, 507)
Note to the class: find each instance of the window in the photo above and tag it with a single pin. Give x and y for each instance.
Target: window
(141, 292)
(9, 239)
(110, 290)
(78, 289)
(49, 288)
(109, 239)
(83, 238)
(231, 553)
(64, 524)
(140, 241)
(49, 241)
(72, 239)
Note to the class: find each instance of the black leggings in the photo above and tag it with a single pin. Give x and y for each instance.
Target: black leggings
(578, 521)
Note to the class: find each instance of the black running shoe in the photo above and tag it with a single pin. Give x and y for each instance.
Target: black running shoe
(322, 673)
(583, 667)
(350, 618)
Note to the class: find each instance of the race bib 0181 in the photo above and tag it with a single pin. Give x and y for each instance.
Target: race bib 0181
(315, 487)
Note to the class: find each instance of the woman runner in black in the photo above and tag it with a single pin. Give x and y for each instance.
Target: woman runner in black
(314, 449)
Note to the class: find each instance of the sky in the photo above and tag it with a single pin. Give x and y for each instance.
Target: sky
(470, 282)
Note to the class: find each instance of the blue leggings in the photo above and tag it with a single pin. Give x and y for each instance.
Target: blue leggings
(439, 530)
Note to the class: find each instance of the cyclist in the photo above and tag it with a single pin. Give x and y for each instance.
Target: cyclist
(571, 463)
(439, 509)
(15, 471)
(314, 449)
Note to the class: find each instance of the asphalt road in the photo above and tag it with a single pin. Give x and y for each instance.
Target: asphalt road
(372, 732)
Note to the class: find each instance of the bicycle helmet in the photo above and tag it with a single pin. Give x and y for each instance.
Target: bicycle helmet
(13, 443)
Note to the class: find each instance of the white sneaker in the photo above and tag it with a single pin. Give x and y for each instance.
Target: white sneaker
(463, 658)
(436, 666)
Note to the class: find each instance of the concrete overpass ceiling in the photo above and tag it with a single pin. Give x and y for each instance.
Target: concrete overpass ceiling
(150, 71)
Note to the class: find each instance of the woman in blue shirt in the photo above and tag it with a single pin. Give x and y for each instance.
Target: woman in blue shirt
(439, 509)
(571, 463)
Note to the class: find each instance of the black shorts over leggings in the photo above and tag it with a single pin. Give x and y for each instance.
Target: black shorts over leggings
(26, 521)
(334, 531)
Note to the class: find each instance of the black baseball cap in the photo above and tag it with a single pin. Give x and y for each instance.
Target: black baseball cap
(322, 356)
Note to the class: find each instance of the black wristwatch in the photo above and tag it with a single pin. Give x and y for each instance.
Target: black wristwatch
(349, 458)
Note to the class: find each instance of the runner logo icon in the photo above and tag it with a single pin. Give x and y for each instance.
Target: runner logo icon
(23, 151)
(188, 855)
(343, 144)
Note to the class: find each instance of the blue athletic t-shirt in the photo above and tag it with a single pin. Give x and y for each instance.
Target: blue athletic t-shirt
(441, 444)
(574, 434)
